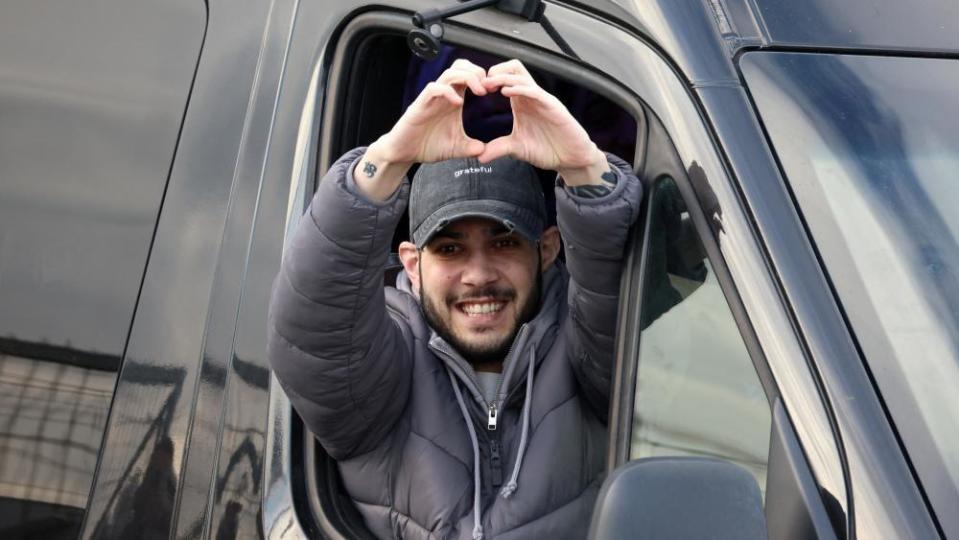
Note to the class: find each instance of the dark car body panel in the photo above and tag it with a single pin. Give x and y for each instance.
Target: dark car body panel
(178, 368)
(91, 106)
(188, 439)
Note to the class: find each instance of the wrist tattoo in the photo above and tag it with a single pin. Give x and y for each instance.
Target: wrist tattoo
(609, 179)
(369, 169)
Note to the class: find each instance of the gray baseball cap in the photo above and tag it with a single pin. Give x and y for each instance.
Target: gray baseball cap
(506, 190)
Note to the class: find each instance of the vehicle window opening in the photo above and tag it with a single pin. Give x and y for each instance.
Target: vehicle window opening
(381, 79)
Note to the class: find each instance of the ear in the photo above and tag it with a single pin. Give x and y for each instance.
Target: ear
(410, 257)
(549, 245)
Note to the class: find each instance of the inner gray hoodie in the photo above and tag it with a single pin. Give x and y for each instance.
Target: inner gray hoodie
(519, 366)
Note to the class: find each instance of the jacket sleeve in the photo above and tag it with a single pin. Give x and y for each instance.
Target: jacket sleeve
(342, 359)
(595, 231)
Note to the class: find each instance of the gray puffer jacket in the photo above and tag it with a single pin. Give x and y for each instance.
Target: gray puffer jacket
(399, 408)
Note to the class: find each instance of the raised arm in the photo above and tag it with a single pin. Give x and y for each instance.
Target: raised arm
(342, 359)
(595, 225)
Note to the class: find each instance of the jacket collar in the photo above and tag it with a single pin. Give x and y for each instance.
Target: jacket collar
(540, 331)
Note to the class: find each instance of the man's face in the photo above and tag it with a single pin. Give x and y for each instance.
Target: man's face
(478, 283)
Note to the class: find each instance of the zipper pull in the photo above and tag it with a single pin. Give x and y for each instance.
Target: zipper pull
(495, 463)
(491, 420)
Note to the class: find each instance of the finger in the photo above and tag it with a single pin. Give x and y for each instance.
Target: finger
(465, 78)
(461, 71)
(462, 63)
(526, 91)
(497, 148)
(435, 90)
(510, 66)
(542, 104)
(462, 66)
(494, 82)
(470, 147)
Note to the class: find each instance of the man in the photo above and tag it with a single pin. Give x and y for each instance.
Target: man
(470, 401)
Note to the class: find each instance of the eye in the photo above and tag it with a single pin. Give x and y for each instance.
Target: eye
(447, 249)
(507, 242)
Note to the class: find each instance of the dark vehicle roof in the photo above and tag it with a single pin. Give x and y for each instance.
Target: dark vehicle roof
(919, 26)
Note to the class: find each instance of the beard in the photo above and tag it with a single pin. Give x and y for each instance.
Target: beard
(481, 353)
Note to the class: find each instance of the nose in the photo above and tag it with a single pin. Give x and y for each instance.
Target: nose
(480, 270)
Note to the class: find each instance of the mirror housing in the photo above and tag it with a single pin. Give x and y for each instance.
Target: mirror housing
(679, 498)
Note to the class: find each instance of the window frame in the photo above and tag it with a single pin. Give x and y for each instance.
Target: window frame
(632, 293)
(541, 56)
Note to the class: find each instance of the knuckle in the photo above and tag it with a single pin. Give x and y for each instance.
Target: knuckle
(459, 76)
(465, 66)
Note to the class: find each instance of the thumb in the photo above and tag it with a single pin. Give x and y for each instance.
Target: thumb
(470, 147)
(497, 148)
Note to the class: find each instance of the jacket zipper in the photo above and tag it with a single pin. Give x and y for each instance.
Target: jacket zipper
(495, 462)
(492, 408)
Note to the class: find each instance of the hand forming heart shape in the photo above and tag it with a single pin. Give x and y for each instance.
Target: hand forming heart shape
(544, 133)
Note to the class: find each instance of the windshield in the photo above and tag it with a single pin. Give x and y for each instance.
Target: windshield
(870, 148)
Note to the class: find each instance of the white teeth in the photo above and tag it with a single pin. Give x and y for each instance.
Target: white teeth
(480, 309)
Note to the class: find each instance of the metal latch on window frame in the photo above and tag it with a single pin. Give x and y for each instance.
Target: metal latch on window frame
(425, 40)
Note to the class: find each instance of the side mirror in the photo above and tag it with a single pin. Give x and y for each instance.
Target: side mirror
(679, 498)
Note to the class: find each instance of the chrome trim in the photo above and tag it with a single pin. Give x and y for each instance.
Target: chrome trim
(279, 518)
(280, 521)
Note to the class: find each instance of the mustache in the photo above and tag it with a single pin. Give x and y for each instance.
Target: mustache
(503, 294)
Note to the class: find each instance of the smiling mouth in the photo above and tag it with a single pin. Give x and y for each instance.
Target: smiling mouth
(477, 309)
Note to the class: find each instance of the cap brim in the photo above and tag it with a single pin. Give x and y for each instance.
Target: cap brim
(522, 220)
